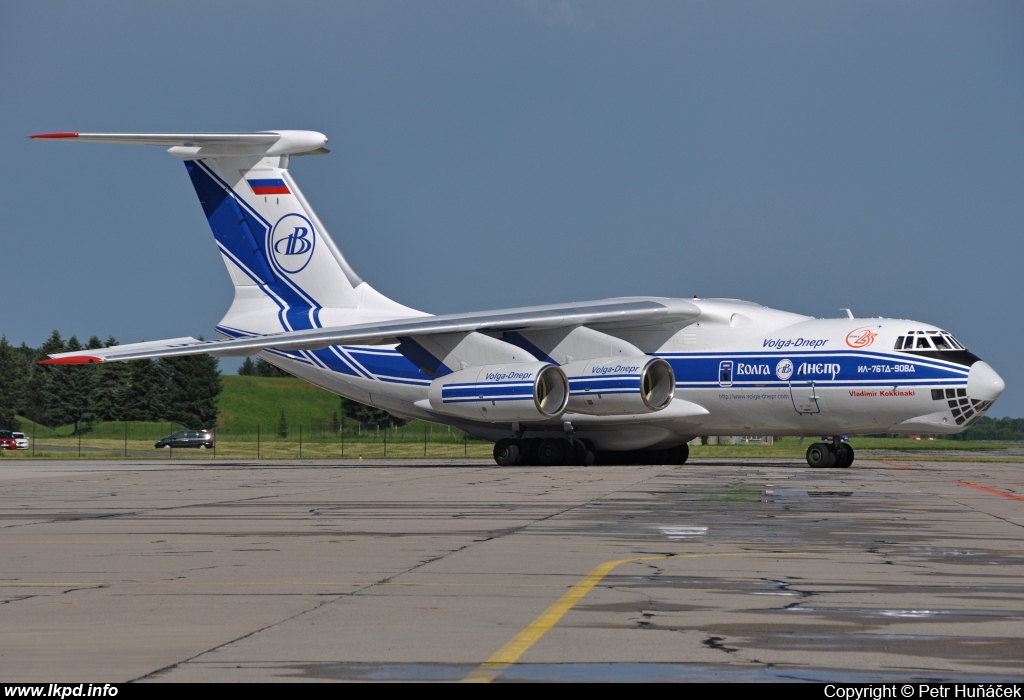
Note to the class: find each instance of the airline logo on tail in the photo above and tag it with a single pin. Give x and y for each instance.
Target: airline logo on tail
(292, 242)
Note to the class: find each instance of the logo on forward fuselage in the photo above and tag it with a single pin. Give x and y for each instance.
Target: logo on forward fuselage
(292, 242)
(861, 338)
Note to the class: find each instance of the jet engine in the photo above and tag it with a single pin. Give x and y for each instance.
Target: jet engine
(620, 385)
(497, 393)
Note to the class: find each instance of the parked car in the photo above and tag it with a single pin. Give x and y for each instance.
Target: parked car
(21, 439)
(7, 441)
(200, 439)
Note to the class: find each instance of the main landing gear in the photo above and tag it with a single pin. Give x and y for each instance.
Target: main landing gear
(552, 452)
(835, 455)
(571, 451)
(549, 452)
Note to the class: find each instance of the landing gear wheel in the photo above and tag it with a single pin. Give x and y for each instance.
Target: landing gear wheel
(578, 454)
(820, 456)
(506, 452)
(591, 454)
(528, 451)
(551, 452)
(844, 457)
(678, 455)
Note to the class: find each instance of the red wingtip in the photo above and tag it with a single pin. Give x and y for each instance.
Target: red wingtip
(76, 360)
(56, 135)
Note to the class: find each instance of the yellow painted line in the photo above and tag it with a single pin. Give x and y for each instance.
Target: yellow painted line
(531, 634)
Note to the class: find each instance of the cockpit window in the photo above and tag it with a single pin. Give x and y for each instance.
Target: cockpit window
(928, 340)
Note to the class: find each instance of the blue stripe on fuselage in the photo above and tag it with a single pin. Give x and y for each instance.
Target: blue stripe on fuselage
(421, 357)
(825, 368)
(696, 371)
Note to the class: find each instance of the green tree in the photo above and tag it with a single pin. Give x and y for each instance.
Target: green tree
(37, 390)
(145, 396)
(988, 428)
(261, 368)
(282, 425)
(369, 415)
(265, 369)
(28, 355)
(113, 384)
(193, 385)
(14, 371)
(71, 388)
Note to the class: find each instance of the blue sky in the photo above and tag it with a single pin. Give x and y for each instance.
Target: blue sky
(807, 156)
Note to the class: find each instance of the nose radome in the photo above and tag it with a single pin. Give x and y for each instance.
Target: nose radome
(983, 383)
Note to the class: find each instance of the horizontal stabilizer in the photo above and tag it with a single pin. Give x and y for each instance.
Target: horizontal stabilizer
(621, 313)
(209, 145)
(94, 355)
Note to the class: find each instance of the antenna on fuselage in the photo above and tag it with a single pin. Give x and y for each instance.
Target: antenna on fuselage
(849, 314)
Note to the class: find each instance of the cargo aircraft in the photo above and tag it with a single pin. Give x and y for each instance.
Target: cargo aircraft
(617, 381)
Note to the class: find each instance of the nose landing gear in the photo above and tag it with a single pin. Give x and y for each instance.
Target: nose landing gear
(844, 456)
(836, 455)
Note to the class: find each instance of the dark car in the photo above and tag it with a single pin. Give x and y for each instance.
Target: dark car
(7, 441)
(200, 439)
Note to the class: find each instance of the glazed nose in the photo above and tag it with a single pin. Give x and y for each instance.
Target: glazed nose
(983, 383)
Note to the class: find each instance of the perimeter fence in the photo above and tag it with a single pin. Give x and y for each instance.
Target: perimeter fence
(312, 438)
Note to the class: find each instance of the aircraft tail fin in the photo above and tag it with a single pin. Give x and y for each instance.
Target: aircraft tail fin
(287, 272)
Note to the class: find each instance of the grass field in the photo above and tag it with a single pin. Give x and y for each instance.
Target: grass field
(250, 410)
(247, 402)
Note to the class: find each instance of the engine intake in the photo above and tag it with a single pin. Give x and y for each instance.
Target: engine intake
(498, 393)
(621, 385)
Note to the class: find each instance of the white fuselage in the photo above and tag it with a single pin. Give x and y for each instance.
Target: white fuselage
(740, 369)
(624, 374)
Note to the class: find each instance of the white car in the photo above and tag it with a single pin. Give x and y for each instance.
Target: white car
(21, 440)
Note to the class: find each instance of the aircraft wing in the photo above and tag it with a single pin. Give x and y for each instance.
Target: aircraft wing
(609, 313)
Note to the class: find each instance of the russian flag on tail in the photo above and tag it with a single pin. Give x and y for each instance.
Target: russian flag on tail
(270, 186)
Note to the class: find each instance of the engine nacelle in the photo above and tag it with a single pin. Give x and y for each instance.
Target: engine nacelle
(620, 385)
(497, 393)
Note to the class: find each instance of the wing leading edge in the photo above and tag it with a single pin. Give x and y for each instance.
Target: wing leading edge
(610, 313)
(209, 145)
